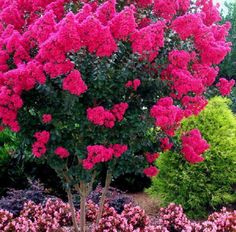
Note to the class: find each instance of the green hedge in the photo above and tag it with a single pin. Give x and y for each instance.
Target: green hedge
(208, 185)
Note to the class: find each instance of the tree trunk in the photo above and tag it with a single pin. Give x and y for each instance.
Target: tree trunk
(103, 197)
(73, 212)
(83, 207)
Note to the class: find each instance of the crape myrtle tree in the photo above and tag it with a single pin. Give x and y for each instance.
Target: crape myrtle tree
(85, 83)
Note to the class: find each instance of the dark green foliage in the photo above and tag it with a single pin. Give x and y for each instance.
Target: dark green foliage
(207, 185)
(228, 66)
(132, 182)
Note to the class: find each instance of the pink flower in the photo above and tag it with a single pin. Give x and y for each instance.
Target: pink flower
(74, 83)
(193, 105)
(151, 171)
(62, 152)
(225, 86)
(42, 137)
(167, 116)
(119, 110)
(99, 116)
(151, 157)
(123, 23)
(133, 84)
(47, 118)
(193, 146)
(38, 149)
(147, 41)
(166, 145)
(119, 149)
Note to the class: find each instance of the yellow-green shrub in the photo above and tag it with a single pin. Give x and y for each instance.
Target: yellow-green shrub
(207, 185)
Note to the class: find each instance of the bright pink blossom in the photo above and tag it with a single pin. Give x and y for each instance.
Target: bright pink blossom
(151, 171)
(96, 37)
(74, 83)
(97, 154)
(47, 118)
(42, 136)
(168, 8)
(151, 157)
(179, 58)
(166, 145)
(193, 146)
(119, 149)
(106, 11)
(100, 116)
(144, 3)
(133, 84)
(147, 41)
(39, 147)
(193, 105)
(167, 116)
(62, 152)
(123, 23)
(119, 110)
(225, 86)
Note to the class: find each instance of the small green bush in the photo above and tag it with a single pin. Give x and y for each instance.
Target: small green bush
(204, 186)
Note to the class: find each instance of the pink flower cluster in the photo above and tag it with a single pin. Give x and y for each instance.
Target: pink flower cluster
(151, 171)
(100, 153)
(209, 40)
(133, 84)
(167, 115)
(225, 86)
(166, 145)
(168, 8)
(102, 117)
(151, 157)
(62, 152)
(193, 105)
(193, 146)
(74, 83)
(47, 118)
(148, 40)
(39, 146)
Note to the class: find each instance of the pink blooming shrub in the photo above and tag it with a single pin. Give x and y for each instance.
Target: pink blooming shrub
(193, 146)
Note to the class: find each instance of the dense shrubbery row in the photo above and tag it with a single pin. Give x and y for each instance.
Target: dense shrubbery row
(54, 215)
(207, 185)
